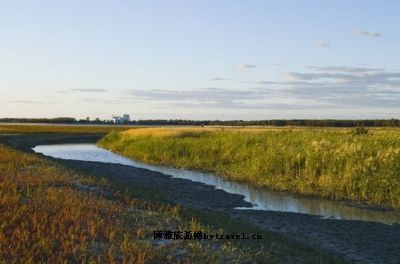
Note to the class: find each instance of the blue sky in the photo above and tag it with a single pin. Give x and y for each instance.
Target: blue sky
(200, 59)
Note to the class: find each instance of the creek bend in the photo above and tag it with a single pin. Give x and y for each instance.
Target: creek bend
(260, 198)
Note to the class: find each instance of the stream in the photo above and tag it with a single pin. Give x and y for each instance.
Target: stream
(260, 198)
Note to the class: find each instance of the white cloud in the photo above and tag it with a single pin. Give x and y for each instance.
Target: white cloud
(368, 34)
(219, 79)
(83, 90)
(344, 69)
(245, 66)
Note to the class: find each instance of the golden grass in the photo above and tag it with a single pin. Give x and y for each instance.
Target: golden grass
(50, 214)
(159, 132)
(166, 132)
(334, 163)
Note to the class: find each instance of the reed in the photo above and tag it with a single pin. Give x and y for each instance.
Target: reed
(53, 214)
(341, 164)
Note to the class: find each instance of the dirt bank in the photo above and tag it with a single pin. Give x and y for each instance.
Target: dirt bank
(362, 242)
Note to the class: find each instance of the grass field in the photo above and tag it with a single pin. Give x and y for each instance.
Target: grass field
(76, 129)
(53, 214)
(346, 164)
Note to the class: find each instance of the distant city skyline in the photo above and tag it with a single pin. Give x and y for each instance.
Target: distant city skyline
(200, 59)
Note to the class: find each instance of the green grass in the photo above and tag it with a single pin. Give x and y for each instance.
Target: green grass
(53, 214)
(344, 164)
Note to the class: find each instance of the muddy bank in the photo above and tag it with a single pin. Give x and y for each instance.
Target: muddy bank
(363, 242)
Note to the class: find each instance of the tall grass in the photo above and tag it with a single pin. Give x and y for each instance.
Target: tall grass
(333, 163)
(51, 214)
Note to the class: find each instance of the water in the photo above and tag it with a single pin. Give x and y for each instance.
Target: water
(260, 198)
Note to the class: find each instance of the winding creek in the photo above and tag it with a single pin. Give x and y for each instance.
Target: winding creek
(261, 199)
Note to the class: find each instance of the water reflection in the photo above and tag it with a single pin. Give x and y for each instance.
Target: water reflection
(261, 199)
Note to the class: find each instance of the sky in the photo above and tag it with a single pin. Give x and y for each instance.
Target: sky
(176, 59)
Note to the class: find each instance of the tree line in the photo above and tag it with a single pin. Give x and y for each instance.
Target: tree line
(183, 122)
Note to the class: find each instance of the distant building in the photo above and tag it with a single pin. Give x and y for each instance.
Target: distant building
(121, 119)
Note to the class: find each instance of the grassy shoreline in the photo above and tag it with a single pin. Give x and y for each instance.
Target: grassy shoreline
(52, 213)
(331, 163)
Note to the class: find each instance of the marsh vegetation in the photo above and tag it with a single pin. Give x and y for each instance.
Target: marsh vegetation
(51, 214)
(55, 214)
(358, 165)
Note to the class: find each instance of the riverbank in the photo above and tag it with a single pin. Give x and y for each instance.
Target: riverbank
(359, 242)
(98, 216)
(340, 164)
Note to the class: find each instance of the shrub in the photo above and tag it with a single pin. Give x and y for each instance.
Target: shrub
(358, 131)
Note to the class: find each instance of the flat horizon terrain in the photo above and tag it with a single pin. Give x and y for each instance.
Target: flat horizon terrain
(287, 237)
(200, 132)
(55, 210)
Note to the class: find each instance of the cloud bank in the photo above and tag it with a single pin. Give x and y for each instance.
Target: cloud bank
(321, 87)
